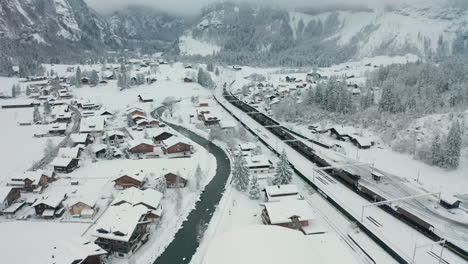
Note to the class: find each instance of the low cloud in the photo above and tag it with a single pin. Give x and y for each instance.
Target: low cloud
(192, 7)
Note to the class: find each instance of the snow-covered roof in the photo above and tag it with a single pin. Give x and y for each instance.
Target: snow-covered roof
(34, 176)
(154, 132)
(71, 250)
(119, 222)
(59, 109)
(247, 146)
(132, 109)
(227, 124)
(138, 175)
(79, 138)
(281, 190)
(112, 133)
(69, 152)
(4, 191)
(57, 127)
(145, 97)
(174, 140)
(99, 147)
(61, 162)
(92, 124)
(64, 115)
(135, 143)
(87, 199)
(280, 212)
(141, 121)
(134, 196)
(449, 198)
(363, 141)
(257, 161)
(345, 130)
(53, 200)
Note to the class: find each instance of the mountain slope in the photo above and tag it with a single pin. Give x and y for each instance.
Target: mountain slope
(143, 26)
(324, 37)
(52, 27)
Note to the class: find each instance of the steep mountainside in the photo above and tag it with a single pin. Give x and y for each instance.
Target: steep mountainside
(314, 36)
(52, 27)
(146, 27)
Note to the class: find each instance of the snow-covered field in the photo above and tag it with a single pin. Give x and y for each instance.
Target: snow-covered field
(34, 242)
(19, 147)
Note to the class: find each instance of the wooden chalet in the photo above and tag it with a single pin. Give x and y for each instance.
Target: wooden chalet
(31, 180)
(8, 195)
(361, 142)
(275, 193)
(140, 146)
(135, 111)
(175, 145)
(114, 137)
(130, 179)
(81, 139)
(65, 165)
(77, 251)
(210, 120)
(122, 229)
(145, 98)
(175, 181)
(288, 213)
(449, 201)
(83, 207)
(50, 206)
(290, 79)
(160, 136)
(57, 129)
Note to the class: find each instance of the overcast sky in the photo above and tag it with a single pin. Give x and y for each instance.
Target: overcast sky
(193, 6)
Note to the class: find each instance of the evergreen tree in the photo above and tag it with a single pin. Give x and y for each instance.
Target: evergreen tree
(436, 151)
(198, 177)
(109, 150)
(36, 115)
(161, 184)
(210, 67)
(254, 192)
(283, 173)
(318, 97)
(240, 174)
(94, 79)
(78, 77)
(13, 91)
(28, 90)
(217, 71)
(453, 146)
(47, 109)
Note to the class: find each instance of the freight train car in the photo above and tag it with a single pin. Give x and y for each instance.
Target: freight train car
(371, 194)
(412, 218)
(349, 178)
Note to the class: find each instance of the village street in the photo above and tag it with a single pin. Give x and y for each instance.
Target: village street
(52, 154)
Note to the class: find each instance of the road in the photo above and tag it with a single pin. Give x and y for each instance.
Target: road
(50, 156)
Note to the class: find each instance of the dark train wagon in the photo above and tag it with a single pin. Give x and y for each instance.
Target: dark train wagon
(376, 197)
(346, 177)
(416, 220)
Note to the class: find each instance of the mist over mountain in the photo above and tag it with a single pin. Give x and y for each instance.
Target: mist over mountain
(235, 32)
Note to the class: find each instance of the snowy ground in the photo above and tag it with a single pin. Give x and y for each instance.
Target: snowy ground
(19, 147)
(237, 212)
(95, 179)
(33, 242)
(398, 235)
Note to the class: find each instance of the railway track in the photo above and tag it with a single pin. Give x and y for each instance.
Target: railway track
(350, 180)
